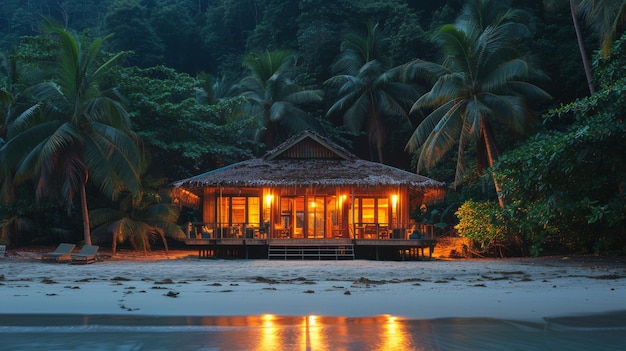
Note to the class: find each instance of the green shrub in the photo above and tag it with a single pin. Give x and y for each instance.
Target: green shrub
(484, 225)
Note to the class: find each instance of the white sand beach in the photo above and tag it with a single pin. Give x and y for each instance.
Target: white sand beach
(179, 284)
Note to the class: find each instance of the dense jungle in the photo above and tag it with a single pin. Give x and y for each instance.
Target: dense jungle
(517, 105)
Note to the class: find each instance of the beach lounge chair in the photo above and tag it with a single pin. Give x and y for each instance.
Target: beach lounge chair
(87, 254)
(61, 254)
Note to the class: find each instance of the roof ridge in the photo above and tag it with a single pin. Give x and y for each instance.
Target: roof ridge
(321, 140)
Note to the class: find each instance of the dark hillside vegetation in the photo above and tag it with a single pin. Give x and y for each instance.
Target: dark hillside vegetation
(194, 81)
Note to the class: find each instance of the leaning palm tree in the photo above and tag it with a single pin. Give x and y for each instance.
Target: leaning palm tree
(483, 80)
(139, 220)
(367, 90)
(77, 133)
(273, 97)
(574, 10)
(605, 17)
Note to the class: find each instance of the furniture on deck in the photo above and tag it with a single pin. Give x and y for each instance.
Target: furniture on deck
(283, 232)
(61, 254)
(206, 233)
(338, 233)
(87, 254)
(372, 231)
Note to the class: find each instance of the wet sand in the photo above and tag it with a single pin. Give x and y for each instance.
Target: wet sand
(179, 284)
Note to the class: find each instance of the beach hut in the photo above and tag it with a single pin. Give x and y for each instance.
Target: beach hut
(306, 191)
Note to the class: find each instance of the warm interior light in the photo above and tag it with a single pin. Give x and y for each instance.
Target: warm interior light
(268, 200)
(394, 200)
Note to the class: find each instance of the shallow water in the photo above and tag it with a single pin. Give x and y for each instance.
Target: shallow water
(270, 332)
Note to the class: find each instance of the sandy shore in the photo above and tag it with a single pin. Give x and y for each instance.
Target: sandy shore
(526, 289)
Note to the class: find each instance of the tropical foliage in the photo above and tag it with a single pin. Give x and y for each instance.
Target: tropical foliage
(121, 78)
(139, 220)
(482, 223)
(183, 135)
(483, 82)
(368, 94)
(569, 185)
(274, 98)
(606, 17)
(75, 133)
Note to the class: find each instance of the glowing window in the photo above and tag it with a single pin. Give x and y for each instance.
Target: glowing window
(383, 211)
(254, 211)
(368, 208)
(239, 210)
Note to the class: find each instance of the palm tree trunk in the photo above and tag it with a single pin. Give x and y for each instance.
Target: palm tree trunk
(491, 157)
(85, 210)
(581, 47)
(270, 132)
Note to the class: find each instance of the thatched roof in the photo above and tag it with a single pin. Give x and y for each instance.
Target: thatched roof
(327, 165)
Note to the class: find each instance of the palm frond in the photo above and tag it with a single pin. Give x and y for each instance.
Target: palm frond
(427, 126)
(338, 80)
(349, 62)
(278, 111)
(356, 114)
(419, 70)
(24, 121)
(344, 102)
(109, 111)
(510, 110)
(113, 159)
(264, 65)
(468, 131)
(441, 140)
(448, 87)
(104, 216)
(457, 47)
(392, 102)
(354, 84)
(305, 97)
(160, 213)
(6, 98)
(531, 92)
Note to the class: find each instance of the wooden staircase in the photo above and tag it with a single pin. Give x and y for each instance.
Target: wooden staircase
(299, 251)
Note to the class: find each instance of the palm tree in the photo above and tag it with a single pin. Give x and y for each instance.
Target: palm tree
(573, 8)
(138, 220)
(8, 101)
(367, 89)
(483, 80)
(77, 133)
(605, 17)
(273, 98)
(213, 90)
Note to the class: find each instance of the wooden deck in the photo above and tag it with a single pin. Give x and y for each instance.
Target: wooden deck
(374, 249)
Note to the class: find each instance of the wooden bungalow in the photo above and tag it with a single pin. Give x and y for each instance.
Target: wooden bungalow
(308, 197)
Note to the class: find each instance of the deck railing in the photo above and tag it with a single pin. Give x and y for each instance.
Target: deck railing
(359, 231)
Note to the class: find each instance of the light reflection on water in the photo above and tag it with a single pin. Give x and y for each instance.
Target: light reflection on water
(269, 332)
